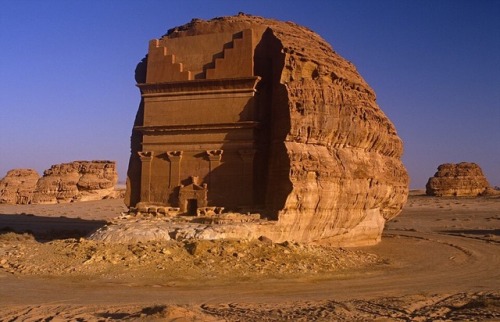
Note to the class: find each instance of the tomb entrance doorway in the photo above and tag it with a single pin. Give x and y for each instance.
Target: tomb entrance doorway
(192, 207)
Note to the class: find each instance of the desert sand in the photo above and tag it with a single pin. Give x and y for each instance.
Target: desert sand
(438, 260)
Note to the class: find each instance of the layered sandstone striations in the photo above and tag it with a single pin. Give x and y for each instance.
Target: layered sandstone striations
(65, 182)
(76, 181)
(17, 186)
(464, 179)
(319, 157)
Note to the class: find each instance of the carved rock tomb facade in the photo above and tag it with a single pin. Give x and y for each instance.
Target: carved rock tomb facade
(256, 115)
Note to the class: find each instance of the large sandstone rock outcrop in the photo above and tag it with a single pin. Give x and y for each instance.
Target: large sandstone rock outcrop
(464, 179)
(330, 166)
(76, 181)
(17, 186)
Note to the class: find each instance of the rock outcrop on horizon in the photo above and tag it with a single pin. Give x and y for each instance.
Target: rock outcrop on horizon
(76, 181)
(327, 165)
(463, 179)
(17, 186)
(65, 182)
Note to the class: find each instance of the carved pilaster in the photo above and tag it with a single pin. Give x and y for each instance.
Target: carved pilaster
(146, 160)
(214, 158)
(175, 158)
(247, 171)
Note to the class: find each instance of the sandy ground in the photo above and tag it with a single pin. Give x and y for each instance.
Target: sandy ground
(438, 261)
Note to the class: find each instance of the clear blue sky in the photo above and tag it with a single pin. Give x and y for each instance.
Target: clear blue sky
(67, 89)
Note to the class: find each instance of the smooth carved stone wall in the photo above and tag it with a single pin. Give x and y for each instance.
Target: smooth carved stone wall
(76, 181)
(17, 186)
(325, 161)
(462, 180)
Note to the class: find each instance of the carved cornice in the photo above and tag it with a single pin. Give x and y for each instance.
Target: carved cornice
(198, 127)
(200, 87)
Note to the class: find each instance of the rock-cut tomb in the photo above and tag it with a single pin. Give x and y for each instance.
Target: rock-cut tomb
(247, 115)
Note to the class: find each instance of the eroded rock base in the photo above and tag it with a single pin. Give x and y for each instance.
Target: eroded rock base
(161, 224)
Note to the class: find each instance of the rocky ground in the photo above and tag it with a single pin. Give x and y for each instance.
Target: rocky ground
(438, 261)
(213, 260)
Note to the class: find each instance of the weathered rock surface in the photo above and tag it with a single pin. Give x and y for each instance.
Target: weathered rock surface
(76, 181)
(334, 170)
(66, 182)
(464, 179)
(17, 186)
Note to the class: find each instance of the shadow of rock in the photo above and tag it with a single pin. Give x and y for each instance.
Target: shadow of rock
(46, 229)
(153, 312)
(114, 316)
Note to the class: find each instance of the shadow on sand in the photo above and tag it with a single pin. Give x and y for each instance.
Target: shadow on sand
(46, 229)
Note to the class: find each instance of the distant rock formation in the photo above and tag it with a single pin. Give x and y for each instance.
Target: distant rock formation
(464, 179)
(66, 182)
(17, 186)
(311, 151)
(76, 181)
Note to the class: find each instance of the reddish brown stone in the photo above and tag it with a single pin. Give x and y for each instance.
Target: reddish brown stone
(76, 181)
(270, 119)
(464, 179)
(17, 186)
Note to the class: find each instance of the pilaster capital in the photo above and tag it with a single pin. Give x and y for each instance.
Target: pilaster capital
(145, 155)
(247, 154)
(174, 155)
(214, 155)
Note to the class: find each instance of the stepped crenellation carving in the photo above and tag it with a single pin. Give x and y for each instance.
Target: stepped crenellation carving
(163, 67)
